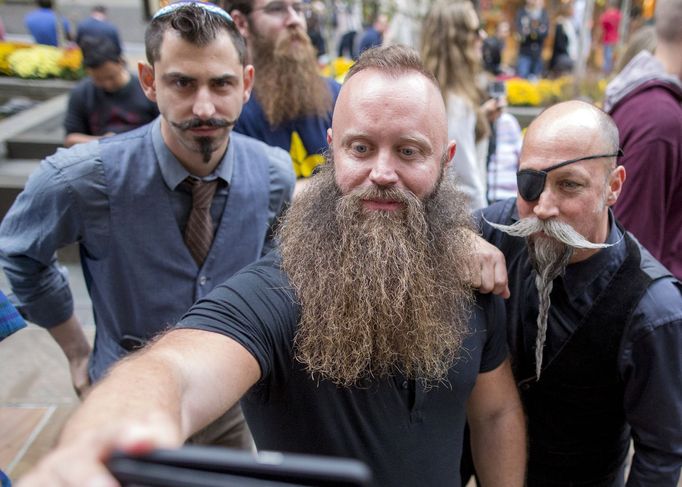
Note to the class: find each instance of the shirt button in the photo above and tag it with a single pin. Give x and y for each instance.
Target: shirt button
(405, 384)
(202, 280)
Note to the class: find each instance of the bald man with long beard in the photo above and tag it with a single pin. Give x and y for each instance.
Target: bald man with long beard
(595, 322)
(361, 338)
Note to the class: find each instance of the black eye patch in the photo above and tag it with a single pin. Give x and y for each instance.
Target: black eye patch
(531, 182)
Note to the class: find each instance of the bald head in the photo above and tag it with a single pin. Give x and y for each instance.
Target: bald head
(392, 60)
(580, 125)
(418, 102)
(376, 78)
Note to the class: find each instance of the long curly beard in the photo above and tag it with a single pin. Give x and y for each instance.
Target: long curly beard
(381, 293)
(288, 84)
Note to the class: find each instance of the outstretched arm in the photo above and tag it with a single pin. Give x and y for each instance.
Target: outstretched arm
(155, 398)
(498, 429)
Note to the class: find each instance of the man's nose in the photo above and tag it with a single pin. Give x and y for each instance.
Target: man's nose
(383, 171)
(546, 206)
(203, 104)
(294, 18)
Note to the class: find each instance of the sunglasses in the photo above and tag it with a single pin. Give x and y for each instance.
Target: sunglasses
(531, 183)
(214, 9)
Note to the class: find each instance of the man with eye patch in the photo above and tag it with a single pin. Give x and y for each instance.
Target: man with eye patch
(292, 104)
(594, 321)
(162, 214)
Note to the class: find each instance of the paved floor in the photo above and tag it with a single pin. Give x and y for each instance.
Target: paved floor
(35, 388)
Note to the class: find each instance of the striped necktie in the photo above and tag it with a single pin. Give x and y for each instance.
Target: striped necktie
(199, 228)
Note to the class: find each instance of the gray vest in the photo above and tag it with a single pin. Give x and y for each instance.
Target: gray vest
(144, 230)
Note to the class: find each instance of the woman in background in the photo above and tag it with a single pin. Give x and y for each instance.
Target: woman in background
(451, 49)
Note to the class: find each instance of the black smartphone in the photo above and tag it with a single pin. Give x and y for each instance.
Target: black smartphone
(201, 466)
(496, 89)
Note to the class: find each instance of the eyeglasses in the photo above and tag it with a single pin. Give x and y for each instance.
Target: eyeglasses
(281, 9)
(214, 9)
(531, 183)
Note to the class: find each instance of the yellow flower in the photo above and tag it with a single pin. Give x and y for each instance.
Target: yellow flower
(337, 69)
(7, 48)
(544, 92)
(521, 92)
(36, 62)
(40, 61)
(71, 59)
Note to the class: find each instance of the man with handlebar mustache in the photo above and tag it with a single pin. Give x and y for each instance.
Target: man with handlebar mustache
(594, 321)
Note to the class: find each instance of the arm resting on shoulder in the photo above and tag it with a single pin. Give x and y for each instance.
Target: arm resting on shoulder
(498, 429)
(155, 398)
(488, 269)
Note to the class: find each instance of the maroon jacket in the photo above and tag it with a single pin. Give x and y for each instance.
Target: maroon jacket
(648, 114)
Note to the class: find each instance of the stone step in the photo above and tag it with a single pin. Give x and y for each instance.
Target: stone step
(33, 145)
(43, 120)
(37, 89)
(15, 173)
(13, 177)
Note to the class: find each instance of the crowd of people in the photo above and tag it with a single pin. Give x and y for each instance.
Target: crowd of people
(383, 269)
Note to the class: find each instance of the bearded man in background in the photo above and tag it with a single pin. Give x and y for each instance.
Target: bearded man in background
(594, 321)
(291, 104)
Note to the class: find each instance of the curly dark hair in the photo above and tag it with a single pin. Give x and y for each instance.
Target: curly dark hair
(196, 25)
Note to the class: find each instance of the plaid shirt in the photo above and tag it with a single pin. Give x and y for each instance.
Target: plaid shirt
(10, 320)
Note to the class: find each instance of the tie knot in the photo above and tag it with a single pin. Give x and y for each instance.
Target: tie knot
(202, 191)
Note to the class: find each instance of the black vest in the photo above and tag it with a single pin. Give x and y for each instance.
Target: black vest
(576, 423)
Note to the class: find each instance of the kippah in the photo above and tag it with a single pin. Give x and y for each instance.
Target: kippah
(214, 9)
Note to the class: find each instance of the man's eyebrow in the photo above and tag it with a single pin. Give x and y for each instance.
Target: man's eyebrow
(176, 76)
(419, 140)
(184, 77)
(225, 77)
(348, 136)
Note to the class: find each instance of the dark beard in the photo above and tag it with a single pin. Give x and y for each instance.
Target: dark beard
(207, 145)
(381, 293)
(287, 83)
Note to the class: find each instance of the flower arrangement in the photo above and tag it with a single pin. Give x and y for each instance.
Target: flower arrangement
(39, 61)
(6, 49)
(521, 92)
(71, 63)
(545, 92)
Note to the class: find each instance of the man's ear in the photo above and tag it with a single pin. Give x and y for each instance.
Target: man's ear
(450, 153)
(146, 76)
(329, 136)
(242, 23)
(616, 180)
(249, 76)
